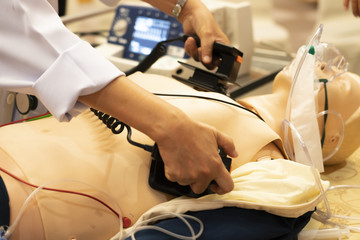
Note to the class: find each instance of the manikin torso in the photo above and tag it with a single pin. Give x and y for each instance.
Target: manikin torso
(84, 156)
(85, 151)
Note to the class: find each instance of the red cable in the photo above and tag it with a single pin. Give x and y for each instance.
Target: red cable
(25, 119)
(126, 221)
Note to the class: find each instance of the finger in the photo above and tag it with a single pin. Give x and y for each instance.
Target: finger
(187, 177)
(206, 50)
(227, 144)
(215, 63)
(346, 4)
(177, 176)
(222, 178)
(355, 8)
(205, 175)
(195, 52)
(224, 183)
(199, 187)
(207, 43)
(192, 49)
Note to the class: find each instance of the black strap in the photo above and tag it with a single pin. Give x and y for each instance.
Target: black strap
(62, 7)
(4, 205)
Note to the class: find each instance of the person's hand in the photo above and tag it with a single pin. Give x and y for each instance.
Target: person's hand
(190, 154)
(198, 20)
(355, 6)
(188, 148)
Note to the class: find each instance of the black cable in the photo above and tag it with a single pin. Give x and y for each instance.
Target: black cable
(117, 127)
(209, 98)
(62, 4)
(157, 52)
(103, 33)
(326, 107)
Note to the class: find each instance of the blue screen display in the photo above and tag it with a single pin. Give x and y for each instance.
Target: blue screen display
(147, 33)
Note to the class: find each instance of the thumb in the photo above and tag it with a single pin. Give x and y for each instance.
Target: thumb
(206, 50)
(227, 144)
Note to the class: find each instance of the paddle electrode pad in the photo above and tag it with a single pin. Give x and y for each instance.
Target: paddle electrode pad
(158, 181)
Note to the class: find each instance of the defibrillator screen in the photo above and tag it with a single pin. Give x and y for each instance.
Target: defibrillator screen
(147, 33)
(140, 28)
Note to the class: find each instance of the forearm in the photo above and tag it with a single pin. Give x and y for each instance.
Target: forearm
(131, 104)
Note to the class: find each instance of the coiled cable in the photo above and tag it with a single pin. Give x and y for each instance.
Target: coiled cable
(117, 127)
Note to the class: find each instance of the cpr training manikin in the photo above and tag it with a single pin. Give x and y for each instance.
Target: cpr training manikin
(83, 156)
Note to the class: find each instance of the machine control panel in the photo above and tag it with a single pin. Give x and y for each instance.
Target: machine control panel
(139, 28)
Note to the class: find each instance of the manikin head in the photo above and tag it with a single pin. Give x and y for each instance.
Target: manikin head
(336, 91)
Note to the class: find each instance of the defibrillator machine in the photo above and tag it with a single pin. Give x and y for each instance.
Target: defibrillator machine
(138, 27)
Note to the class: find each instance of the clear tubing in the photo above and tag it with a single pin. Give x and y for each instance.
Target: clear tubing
(327, 215)
(314, 170)
(324, 234)
(345, 187)
(11, 228)
(139, 226)
(342, 226)
(322, 216)
(342, 130)
(316, 37)
(297, 71)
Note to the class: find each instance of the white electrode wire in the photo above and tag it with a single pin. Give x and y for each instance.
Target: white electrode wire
(12, 227)
(313, 169)
(139, 226)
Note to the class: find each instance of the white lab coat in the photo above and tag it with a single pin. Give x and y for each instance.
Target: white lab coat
(40, 56)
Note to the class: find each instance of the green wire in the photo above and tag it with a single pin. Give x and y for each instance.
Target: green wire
(326, 107)
(39, 117)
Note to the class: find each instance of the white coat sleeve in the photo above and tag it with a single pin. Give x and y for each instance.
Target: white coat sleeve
(40, 56)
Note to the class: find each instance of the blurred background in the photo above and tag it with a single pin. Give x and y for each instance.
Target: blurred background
(269, 32)
(277, 24)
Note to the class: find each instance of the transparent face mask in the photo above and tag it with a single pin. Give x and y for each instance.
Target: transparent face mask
(325, 65)
(315, 67)
(329, 62)
(329, 65)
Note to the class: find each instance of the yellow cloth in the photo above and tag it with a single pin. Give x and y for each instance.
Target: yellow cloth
(280, 187)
